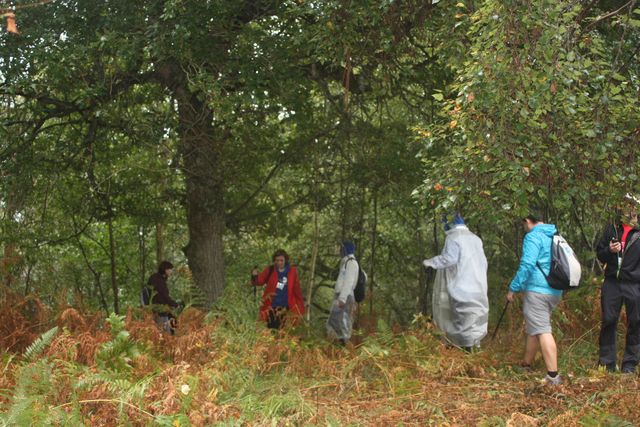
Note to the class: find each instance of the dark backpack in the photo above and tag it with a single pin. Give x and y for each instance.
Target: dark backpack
(145, 296)
(361, 285)
(565, 268)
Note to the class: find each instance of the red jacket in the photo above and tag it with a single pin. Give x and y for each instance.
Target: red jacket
(269, 276)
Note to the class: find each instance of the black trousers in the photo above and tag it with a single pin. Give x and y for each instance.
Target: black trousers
(276, 317)
(614, 295)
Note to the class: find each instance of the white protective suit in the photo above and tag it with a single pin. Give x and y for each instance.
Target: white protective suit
(460, 302)
(340, 321)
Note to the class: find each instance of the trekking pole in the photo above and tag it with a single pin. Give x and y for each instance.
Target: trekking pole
(504, 310)
(429, 275)
(255, 291)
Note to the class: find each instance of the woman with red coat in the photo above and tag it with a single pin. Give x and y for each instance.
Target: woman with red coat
(282, 293)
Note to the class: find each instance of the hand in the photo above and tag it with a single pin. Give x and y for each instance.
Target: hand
(340, 304)
(511, 297)
(615, 247)
(426, 264)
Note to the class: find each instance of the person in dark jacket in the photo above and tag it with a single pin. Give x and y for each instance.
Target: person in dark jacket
(162, 302)
(619, 250)
(282, 295)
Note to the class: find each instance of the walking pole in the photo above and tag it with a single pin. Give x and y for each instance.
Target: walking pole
(429, 273)
(504, 310)
(254, 287)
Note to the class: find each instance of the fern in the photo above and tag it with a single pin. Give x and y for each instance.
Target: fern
(116, 355)
(38, 346)
(385, 333)
(33, 384)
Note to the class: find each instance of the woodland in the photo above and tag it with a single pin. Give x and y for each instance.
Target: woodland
(212, 132)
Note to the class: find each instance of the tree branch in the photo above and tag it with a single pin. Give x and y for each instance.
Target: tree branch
(599, 19)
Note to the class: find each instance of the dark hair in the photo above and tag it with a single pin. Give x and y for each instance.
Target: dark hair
(280, 252)
(534, 218)
(164, 266)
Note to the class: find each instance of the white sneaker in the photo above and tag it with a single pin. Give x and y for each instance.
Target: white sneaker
(553, 381)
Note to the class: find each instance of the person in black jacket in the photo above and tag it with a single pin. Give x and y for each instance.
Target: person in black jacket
(619, 250)
(160, 298)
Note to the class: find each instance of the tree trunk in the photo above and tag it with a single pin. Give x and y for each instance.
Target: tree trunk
(374, 234)
(314, 257)
(159, 242)
(201, 155)
(96, 277)
(112, 256)
(421, 277)
(11, 258)
(143, 256)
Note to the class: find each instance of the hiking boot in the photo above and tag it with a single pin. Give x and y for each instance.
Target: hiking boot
(553, 380)
(628, 369)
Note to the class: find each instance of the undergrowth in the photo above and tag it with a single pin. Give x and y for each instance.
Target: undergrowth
(226, 368)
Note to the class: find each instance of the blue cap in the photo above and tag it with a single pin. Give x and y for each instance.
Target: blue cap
(347, 248)
(457, 219)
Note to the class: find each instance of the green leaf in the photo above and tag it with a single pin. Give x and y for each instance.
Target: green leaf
(40, 344)
(619, 77)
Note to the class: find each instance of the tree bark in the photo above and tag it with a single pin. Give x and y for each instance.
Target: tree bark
(143, 255)
(374, 235)
(421, 277)
(112, 259)
(11, 258)
(96, 277)
(201, 164)
(314, 258)
(159, 242)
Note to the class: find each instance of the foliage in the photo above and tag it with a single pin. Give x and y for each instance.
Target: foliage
(537, 119)
(117, 355)
(38, 346)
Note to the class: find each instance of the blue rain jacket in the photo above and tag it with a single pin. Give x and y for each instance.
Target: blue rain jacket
(536, 250)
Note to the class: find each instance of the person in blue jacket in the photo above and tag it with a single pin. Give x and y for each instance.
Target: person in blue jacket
(539, 298)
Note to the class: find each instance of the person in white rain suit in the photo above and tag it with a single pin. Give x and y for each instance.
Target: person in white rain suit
(460, 302)
(340, 321)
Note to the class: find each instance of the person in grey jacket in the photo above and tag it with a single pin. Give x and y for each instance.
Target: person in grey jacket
(340, 321)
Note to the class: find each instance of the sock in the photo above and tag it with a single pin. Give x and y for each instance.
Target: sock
(552, 374)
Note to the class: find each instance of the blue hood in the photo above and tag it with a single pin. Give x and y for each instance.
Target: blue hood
(536, 259)
(549, 230)
(347, 248)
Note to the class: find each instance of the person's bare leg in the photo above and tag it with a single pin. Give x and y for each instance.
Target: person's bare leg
(549, 351)
(530, 349)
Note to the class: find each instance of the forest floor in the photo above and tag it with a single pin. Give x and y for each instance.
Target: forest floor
(218, 370)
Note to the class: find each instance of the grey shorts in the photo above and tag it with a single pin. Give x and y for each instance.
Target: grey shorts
(537, 312)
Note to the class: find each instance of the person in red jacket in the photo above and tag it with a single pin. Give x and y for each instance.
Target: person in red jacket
(282, 293)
